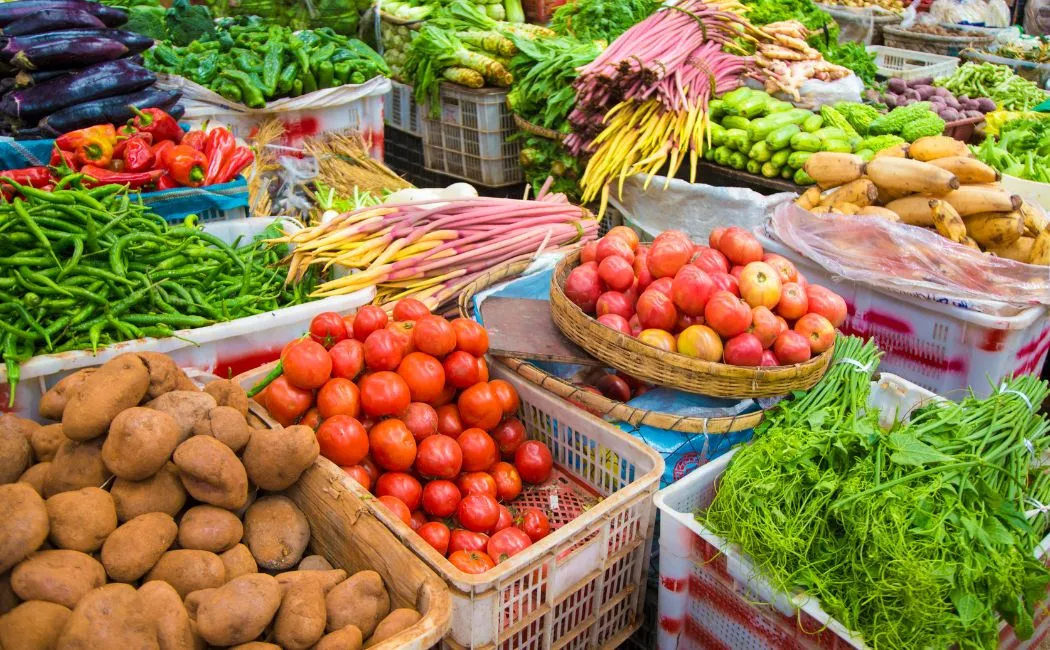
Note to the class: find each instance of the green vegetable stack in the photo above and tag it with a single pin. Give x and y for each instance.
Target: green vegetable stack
(997, 82)
(251, 63)
(339, 15)
(910, 122)
(600, 20)
(544, 73)
(1022, 150)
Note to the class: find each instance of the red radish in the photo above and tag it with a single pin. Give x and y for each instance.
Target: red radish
(691, 289)
(743, 350)
(791, 348)
(669, 253)
(616, 322)
(616, 272)
(583, 286)
(613, 246)
(710, 260)
(656, 311)
(614, 302)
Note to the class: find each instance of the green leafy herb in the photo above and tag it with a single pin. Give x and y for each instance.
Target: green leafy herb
(594, 20)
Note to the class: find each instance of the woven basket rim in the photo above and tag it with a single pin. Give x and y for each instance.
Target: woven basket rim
(902, 33)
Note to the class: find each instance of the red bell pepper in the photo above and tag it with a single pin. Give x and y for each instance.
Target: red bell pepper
(92, 145)
(138, 156)
(237, 161)
(158, 150)
(124, 139)
(157, 123)
(219, 147)
(106, 177)
(165, 182)
(37, 177)
(186, 165)
(196, 140)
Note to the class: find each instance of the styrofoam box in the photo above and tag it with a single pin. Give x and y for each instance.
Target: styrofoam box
(224, 348)
(711, 594)
(941, 347)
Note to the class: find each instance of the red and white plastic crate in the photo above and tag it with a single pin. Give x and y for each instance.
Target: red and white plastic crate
(941, 347)
(713, 597)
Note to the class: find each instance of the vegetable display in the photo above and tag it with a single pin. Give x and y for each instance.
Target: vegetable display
(1036, 50)
(947, 505)
(787, 61)
(1021, 149)
(996, 82)
(251, 63)
(544, 73)
(341, 15)
(730, 302)
(217, 567)
(405, 407)
(600, 20)
(950, 108)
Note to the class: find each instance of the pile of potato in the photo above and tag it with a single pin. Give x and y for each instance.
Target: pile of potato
(142, 520)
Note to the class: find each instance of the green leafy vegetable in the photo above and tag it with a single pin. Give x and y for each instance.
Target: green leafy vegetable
(542, 157)
(1022, 149)
(544, 72)
(187, 23)
(595, 20)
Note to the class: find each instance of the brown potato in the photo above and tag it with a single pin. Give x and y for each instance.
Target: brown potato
(134, 548)
(315, 563)
(327, 579)
(11, 422)
(36, 476)
(225, 424)
(25, 526)
(240, 610)
(360, 600)
(188, 570)
(275, 458)
(54, 401)
(277, 532)
(119, 384)
(187, 407)
(81, 520)
(195, 598)
(164, 607)
(163, 373)
(34, 625)
(227, 393)
(46, 441)
(185, 383)
(394, 623)
(8, 598)
(112, 616)
(300, 620)
(348, 638)
(59, 576)
(238, 562)
(162, 492)
(76, 465)
(207, 528)
(255, 645)
(211, 473)
(139, 443)
(16, 454)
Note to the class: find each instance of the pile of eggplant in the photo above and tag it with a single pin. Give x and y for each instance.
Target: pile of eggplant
(65, 64)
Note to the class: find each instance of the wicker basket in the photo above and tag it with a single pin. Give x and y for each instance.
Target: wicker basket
(598, 404)
(670, 369)
(846, 16)
(906, 39)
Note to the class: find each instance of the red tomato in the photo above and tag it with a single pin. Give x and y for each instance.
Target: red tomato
(311, 418)
(507, 395)
(477, 512)
(533, 461)
(286, 402)
(440, 498)
(421, 419)
(436, 534)
(328, 329)
(402, 331)
(507, 543)
(479, 450)
(419, 519)
(348, 358)
(472, 562)
(434, 335)
(449, 423)
(470, 337)
(461, 370)
(306, 364)
(401, 485)
(535, 524)
(480, 407)
(509, 434)
(410, 309)
(506, 520)
(359, 474)
(348, 322)
(439, 457)
(477, 483)
(508, 481)
(369, 465)
(447, 395)
(367, 320)
(465, 540)
(424, 375)
(384, 393)
(392, 445)
(339, 397)
(382, 350)
(342, 440)
(483, 369)
(398, 507)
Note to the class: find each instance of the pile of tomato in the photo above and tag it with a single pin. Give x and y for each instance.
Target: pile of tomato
(405, 406)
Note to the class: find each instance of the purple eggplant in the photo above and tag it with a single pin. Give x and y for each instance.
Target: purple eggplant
(50, 20)
(65, 53)
(25, 79)
(12, 11)
(134, 42)
(114, 110)
(101, 80)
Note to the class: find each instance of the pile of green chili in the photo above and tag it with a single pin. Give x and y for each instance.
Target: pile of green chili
(921, 536)
(85, 268)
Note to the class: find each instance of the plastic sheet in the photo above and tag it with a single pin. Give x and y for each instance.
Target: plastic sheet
(911, 260)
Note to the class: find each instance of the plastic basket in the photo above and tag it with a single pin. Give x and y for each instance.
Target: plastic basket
(401, 110)
(470, 138)
(942, 347)
(908, 64)
(712, 596)
(583, 585)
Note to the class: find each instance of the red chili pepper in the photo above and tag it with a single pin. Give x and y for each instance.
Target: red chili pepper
(106, 177)
(195, 139)
(238, 160)
(156, 122)
(93, 145)
(63, 158)
(186, 165)
(158, 150)
(220, 145)
(165, 182)
(37, 177)
(138, 156)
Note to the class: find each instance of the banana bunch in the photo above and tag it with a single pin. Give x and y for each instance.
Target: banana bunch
(936, 183)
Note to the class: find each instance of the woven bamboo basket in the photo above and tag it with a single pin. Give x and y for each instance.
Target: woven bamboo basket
(671, 369)
(597, 404)
(895, 36)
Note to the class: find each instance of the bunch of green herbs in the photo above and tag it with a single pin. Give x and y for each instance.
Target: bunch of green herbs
(596, 20)
(544, 72)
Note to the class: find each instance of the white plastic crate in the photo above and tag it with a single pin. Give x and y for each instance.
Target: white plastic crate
(909, 64)
(401, 110)
(582, 586)
(712, 596)
(941, 347)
